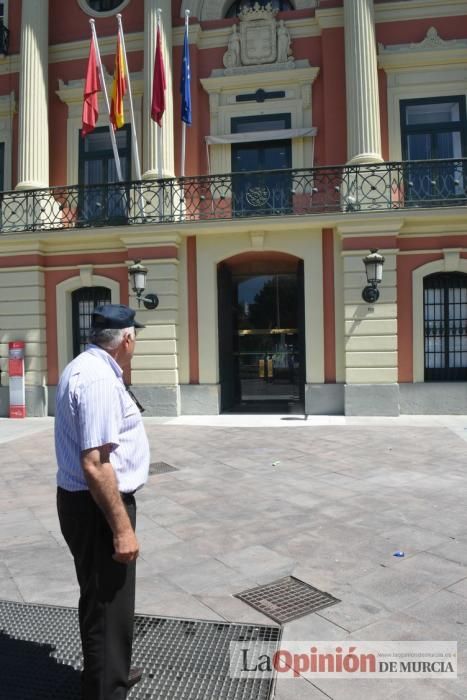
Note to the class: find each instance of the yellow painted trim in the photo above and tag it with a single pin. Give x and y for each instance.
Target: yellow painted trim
(339, 308)
(183, 337)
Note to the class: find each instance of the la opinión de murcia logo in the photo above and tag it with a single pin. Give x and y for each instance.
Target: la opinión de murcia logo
(359, 659)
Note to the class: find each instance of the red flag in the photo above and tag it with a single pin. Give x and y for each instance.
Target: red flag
(91, 88)
(159, 83)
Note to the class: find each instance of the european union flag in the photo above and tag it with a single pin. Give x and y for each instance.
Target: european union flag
(185, 84)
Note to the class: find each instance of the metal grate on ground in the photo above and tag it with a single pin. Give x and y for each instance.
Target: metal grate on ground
(182, 659)
(161, 468)
(286, 599)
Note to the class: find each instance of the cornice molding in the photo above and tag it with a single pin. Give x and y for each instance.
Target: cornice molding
(418, 9)
(72, 92)
(431, 51)
(219, 37)
(332, 17)
(241, 81)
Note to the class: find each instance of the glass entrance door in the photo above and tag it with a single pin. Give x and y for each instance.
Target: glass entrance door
(267, 339)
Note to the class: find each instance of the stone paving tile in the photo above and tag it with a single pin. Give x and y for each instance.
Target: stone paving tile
(355, 610)
(411, 539)
(459, 588)
(427, 690)
(443, 606)
(259, 562)
(233, 610)
(205, 576)
(395, 588)
(165, 558)
(36, 559)
(297, 689)
(362, 688)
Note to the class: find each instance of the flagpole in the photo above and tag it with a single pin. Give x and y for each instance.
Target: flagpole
(182, 166)
(130, 96)
(92, 22)
(159, 131)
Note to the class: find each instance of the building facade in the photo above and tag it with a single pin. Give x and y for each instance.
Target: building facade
(321, 131)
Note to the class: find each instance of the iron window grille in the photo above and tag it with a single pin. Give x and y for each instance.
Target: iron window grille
(83, 302)
(445, 324)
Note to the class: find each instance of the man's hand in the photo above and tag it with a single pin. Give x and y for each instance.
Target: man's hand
(126, 546)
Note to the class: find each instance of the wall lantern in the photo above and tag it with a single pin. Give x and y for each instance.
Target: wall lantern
(138, 273)
(374, 273)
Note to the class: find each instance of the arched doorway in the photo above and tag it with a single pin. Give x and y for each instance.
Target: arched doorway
(261, 333)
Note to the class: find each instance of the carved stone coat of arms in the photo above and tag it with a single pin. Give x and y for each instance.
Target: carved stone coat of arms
(260, 40)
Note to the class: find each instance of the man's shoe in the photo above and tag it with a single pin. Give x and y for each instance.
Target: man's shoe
(135, 675)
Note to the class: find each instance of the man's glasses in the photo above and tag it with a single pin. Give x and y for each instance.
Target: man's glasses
(140, 408)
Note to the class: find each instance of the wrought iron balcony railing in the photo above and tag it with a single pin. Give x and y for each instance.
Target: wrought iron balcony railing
(378, 187)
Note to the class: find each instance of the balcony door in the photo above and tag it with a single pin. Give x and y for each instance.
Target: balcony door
(103, 200)
(434, 129)
(262, 192)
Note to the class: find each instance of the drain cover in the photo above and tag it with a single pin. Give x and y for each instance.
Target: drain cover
(161, 468)
(286, 599)
(184, 659)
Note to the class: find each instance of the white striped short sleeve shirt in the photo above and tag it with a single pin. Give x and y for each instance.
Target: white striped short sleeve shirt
(93, 409)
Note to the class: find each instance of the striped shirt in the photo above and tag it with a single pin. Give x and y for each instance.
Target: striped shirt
(93, 409)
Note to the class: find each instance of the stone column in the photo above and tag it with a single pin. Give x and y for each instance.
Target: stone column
(361, 71)
(158, 144)
(33, 163)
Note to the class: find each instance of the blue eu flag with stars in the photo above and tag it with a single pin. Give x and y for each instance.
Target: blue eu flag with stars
(185, 85)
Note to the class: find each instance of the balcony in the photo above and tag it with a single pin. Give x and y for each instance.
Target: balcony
(304, 192)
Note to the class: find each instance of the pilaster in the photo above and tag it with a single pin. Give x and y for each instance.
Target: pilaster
(363, 117)
(33, 159)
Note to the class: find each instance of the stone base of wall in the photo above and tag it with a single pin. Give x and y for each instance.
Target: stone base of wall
(324, 399)
(158, 400)
(435, 398)
(372, 400)
(200, 399)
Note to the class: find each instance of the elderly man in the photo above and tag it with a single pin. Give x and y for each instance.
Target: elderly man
(103, 458)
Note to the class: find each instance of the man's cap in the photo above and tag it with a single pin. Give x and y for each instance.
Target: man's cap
(114, 316)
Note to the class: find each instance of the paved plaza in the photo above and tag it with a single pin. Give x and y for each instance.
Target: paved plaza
(252, 499)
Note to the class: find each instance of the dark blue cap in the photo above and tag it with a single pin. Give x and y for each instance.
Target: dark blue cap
(114, 316)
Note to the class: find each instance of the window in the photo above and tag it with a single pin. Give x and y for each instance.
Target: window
(434, 129)
(445, 321)
(240, 5)
(104, 200)
(261, 193)
(99, 8)
(83, 302)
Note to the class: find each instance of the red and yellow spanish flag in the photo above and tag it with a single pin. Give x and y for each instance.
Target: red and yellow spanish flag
(117, 116)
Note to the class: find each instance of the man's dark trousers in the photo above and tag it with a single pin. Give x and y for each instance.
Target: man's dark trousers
(107, 600)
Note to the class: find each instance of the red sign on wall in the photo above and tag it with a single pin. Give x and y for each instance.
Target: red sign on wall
(16, 381)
